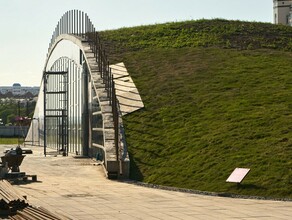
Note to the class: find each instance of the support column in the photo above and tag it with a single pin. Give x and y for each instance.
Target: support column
(85, 114)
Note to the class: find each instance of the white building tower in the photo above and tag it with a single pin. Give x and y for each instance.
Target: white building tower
(283, 12)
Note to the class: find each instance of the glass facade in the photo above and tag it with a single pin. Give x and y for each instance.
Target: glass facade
(64, 105)
(68, 113)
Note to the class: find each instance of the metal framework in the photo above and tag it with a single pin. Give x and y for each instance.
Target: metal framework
(60, 114)
(83, 114)
(79, 24)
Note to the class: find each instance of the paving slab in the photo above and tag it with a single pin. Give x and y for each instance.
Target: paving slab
(79, 189)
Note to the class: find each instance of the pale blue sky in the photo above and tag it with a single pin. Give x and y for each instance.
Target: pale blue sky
(27, 25)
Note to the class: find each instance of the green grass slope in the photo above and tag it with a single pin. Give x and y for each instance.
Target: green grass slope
(217, 95)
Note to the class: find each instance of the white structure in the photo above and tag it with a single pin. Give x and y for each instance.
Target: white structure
(16, 89)
(283, 12)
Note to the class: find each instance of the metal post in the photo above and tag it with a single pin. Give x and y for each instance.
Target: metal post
(32, 133)
(116, 122)
(67, 23)
(85, 115)
(111, 79)
(74, 28)
(82, 24)
(72, 21)
(45, 123)
(79, 22)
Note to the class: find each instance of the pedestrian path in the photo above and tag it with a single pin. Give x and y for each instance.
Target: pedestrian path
(78, 189)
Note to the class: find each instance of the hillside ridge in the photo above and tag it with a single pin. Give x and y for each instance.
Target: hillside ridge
(217, 96)
(199, 33)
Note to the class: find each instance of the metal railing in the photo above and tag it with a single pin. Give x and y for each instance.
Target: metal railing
(77, 23)
(73, 22)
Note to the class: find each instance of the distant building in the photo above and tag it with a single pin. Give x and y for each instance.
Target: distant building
(283, 12)
(17, 90)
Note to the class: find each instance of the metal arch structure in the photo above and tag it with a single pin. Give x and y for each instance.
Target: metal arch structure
(77, 109)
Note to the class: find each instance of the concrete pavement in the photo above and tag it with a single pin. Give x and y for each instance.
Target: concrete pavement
(78, 189)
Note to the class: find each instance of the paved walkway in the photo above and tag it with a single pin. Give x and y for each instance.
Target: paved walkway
(78, 189)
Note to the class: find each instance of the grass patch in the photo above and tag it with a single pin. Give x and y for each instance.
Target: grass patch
(9, 141)
(210, 108)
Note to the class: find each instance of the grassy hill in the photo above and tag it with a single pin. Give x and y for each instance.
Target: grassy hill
(217, 95)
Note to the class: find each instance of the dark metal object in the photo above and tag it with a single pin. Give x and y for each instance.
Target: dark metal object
(13, 161)
(85, 114)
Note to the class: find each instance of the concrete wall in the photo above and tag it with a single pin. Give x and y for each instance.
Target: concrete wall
(281, 11)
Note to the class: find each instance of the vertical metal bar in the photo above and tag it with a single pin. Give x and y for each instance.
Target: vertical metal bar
(74, 21)
(64, 24)
(91, 29)
(77, 17)
(57, 29)
(99, 55)
(82, 24)
(93, 43)
(67, 21)
(107, 79)
(95, 46)
(85, 118)
(79, 23)
(88, 29)
(61, 25)
(67, 107)
(111, 87)
(115, 117)
(85, 26)
(45, 113)
(88, 25)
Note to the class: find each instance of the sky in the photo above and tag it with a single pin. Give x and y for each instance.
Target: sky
(27, 25)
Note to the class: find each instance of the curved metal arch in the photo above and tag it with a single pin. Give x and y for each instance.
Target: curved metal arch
(73, 22)
(76, 27)
(60, 64)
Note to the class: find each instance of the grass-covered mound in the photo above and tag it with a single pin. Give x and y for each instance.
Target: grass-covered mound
(217, 95)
